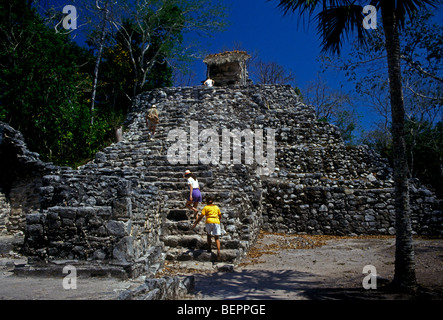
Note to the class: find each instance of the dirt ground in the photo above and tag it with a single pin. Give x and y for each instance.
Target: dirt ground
(298, 267)
(282, 267)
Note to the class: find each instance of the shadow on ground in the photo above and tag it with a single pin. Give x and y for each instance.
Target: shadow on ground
(291, 285)
(384, 293)
(253, 284)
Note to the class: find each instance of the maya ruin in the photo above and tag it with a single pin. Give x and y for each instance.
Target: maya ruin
(123, 213)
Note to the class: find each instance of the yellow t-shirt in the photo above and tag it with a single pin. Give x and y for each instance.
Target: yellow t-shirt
(212, 213)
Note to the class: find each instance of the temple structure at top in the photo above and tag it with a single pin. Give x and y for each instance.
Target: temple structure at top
(228, 68)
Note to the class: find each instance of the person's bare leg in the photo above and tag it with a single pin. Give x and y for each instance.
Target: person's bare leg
(217, 242)
(150, 131)
(195, 209)
(208, 237)
(190, 207)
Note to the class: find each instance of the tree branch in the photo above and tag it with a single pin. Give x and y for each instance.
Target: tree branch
(417, 67)
(436, 99)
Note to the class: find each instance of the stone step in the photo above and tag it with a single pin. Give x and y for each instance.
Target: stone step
(186, 247)
(178, 215)
(136, 150)
(158, 175)
(181, 228)
(164, 185)
(175, 203)
(189, 241)
(217, 194)
(179, 168)
(197, 240)
(174, 184)
(10, 244)
(176, 174)
(172, 122)
(202, 255)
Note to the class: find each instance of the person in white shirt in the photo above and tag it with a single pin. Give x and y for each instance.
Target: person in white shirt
(209, 83)
(194, 192)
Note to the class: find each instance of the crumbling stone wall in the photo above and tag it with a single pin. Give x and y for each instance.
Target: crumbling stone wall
(5, 211)
(321, 186)
(91, 214)
(20, 179)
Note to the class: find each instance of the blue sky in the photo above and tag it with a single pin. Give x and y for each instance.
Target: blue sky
(260, 27)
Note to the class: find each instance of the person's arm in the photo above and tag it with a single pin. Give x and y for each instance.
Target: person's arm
(158, 115)
(190, 191)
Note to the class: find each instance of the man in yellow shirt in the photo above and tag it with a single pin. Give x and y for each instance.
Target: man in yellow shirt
(213, 215)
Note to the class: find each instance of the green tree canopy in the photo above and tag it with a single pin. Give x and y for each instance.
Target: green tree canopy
(43, 76)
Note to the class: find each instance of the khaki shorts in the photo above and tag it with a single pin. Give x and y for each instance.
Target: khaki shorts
(213, 229)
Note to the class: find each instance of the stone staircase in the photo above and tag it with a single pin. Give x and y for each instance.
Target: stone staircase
(145, 163)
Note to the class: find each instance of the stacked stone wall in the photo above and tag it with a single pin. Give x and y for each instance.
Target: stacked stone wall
(5, 211)
(91, 215)
(20, 180)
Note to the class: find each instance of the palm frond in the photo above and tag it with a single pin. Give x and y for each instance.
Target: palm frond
(336, 24)
(308, 6)
(337, 19)
(291, 6)
(405, 8)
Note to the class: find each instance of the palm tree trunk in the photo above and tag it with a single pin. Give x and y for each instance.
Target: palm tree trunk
(404, 276)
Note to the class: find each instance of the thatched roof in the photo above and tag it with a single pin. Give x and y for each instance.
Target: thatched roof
(226, 57)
